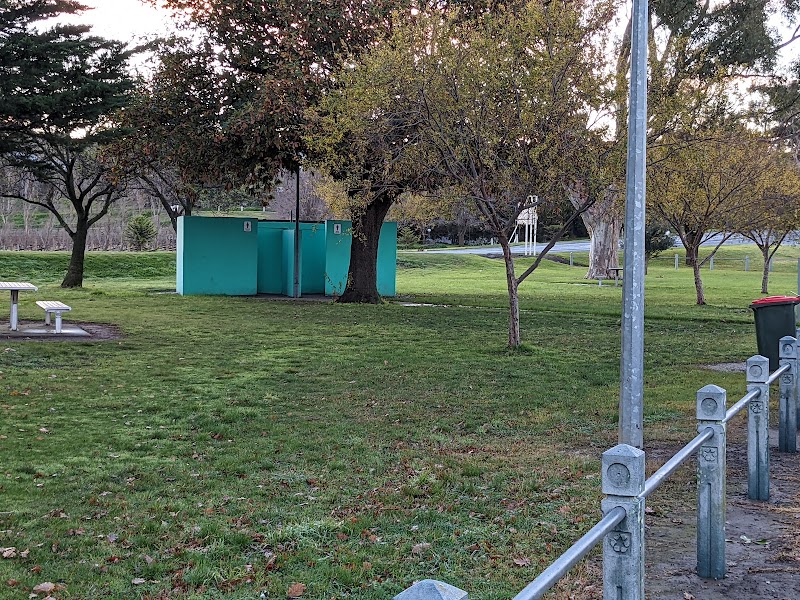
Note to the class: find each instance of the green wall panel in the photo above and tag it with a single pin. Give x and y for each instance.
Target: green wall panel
(312, 258)
(339, 238)
(270, 257)
(217, 255)
(237, 256)
(387, 260)
(288, 262)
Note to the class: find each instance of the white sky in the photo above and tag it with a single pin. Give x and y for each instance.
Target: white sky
(133, 19)
(124, 19)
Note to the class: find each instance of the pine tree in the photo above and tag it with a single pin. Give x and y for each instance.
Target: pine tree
(59, 87)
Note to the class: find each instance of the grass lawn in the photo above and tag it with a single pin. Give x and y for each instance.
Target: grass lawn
(226, 447)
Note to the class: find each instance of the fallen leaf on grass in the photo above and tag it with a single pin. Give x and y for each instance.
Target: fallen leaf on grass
(149, 559)
(8, 552)
(12, 583)
(44, 588)
(522, 562)
(137, 581)
(420, 548)
(296, 590)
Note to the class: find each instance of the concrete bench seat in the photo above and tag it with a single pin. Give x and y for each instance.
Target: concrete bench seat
(53, 306)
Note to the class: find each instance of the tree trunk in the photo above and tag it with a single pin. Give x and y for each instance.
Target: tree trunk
(74, 276)
(514, 339)
(362, 276)
(603, 221)
(765, 274)
(698, 282)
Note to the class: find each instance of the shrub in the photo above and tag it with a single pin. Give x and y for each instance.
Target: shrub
(140, 232)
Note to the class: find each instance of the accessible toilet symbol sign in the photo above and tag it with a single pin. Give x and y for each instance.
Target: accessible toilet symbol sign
(248, 226)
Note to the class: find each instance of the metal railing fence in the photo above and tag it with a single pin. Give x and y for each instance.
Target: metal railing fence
(623, 482)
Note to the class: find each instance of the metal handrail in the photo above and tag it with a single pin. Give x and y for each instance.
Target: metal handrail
(575, 553)
(668, 468)
(550, 576)
(741, 404)
(777, 373)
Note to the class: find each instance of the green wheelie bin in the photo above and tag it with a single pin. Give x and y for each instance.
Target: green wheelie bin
(775, 318)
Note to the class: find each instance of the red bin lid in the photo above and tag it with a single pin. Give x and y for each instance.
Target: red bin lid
(776, 300)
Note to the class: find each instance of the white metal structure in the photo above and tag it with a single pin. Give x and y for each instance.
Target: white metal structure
(15, 287)
(53, 306)
(530, 219)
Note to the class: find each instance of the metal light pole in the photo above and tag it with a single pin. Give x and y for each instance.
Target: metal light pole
(631, 402)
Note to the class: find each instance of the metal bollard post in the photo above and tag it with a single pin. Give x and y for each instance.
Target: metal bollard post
(746, 262)
(676, 262)
(623, 548)
(570, 259)
(711, 407)
(430, 589)
(711, 264)
(797, 379)
(758, 429)
(787, 424)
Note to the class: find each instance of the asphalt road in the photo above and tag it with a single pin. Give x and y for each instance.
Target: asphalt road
(563, 247)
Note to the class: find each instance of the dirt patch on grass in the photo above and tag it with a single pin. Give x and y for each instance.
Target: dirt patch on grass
(27, 332)
(735, 367)
(763, 549)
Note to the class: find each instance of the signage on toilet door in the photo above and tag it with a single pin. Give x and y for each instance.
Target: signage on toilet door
(248, 226)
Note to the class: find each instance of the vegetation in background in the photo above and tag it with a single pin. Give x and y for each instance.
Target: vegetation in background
(713, 188)
(140, 232)
(696, 50)
(657, 239)
(60, 87)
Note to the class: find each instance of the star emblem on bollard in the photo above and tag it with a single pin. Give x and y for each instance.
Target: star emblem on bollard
(620, 541)
(708, 454)
(755, 407)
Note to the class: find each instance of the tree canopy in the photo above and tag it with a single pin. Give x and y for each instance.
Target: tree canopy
(60, 88)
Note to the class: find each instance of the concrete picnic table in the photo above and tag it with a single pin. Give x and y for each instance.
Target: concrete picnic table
(15, 287)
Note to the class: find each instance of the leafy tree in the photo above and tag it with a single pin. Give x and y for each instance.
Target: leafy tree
(60, 87)
(493, 109)
(272, 61)
(179, 142)
(695, 47)
(505, 101)
(366, 135)
(286, 53)
(779, 213)
(709, 188)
